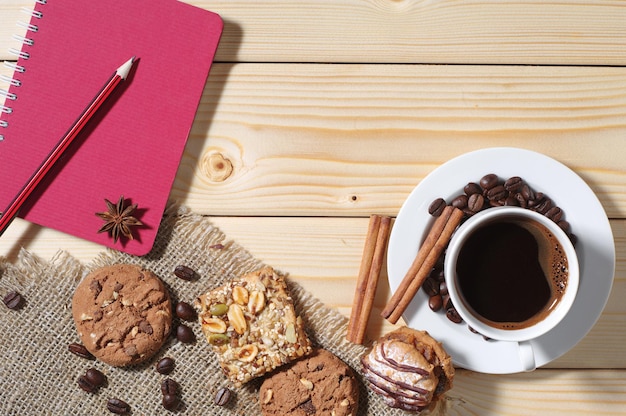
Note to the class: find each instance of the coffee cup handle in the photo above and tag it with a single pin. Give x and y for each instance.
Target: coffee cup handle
(527, 355)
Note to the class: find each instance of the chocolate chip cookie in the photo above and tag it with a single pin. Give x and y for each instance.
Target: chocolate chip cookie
(320, 384)
(123, 314)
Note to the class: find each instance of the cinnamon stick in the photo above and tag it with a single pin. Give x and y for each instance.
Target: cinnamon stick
(435, 243)
(369, 273)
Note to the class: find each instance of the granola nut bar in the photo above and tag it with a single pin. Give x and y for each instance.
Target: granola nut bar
(252, 326)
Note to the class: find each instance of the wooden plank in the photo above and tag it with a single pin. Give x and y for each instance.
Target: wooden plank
(318, 256)
(575, 32)
(353, 139)
(542, 392)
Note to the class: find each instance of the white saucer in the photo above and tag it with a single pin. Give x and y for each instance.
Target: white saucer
(595, 248)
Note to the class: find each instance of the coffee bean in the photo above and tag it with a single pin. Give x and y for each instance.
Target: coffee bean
(165, 365)
(118, 406)
(95, 377)
(169, 386)
(443, 288)
(223, 396)
(13, 300)
(454, 316)
(472, 188)
(170, 402)
(538, 199)
(544, 206)
(185, 273)
(431, 286)
(185, 334)
(475, 202)
(435, 302)
(564, 225)
(555, 214)
(459, 202)
(527, 193)
(441, 275)
(489, 181)
(496, 193)
(511, 201)
(80, 350)
(185, 311)
(521, 201)
(85, 384)
(513, 184)
(436, 207)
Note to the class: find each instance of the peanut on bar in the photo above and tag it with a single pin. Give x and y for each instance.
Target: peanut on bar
(252, 326)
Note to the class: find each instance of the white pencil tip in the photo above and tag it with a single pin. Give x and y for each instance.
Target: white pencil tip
(124, 70)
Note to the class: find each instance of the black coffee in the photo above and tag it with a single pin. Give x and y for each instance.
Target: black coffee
(511, 273)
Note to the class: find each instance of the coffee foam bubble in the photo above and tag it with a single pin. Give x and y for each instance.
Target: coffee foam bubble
(553, 262)
(552, 257)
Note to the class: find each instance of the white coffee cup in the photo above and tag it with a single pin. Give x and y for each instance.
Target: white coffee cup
(535, 327)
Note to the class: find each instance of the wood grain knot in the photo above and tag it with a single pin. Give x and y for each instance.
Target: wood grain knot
(217, 167)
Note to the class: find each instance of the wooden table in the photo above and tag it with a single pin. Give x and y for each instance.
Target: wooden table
(329, 111)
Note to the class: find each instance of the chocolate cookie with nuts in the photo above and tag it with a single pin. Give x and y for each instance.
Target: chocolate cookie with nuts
(123, 314)
(252, 326)
(320, 384)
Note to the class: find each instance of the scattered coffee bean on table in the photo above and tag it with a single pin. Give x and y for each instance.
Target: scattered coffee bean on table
(118, 406)
(165, 365)
(169, 390)
(91, 380)
(80, 350)
(13, 300)
(185, 272)
(185, 334)
(96, 377)
(185, 311)
(223, 396)
(86, 385)
(170, 402)
(169, 386)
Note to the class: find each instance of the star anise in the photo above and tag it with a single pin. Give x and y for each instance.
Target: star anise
(118, 219)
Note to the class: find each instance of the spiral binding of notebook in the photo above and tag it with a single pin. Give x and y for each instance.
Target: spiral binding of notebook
(14, 82)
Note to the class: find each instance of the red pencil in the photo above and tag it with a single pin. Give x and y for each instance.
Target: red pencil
(11, 211)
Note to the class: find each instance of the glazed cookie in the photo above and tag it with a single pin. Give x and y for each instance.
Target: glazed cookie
(320, 384)
(123, 314)
(409, 369)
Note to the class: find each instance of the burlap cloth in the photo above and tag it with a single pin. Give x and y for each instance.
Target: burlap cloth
(38, 375)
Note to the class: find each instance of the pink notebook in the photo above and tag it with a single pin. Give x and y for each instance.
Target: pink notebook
(133, 145)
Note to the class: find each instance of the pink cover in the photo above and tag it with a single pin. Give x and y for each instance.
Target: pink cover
(133, 145)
